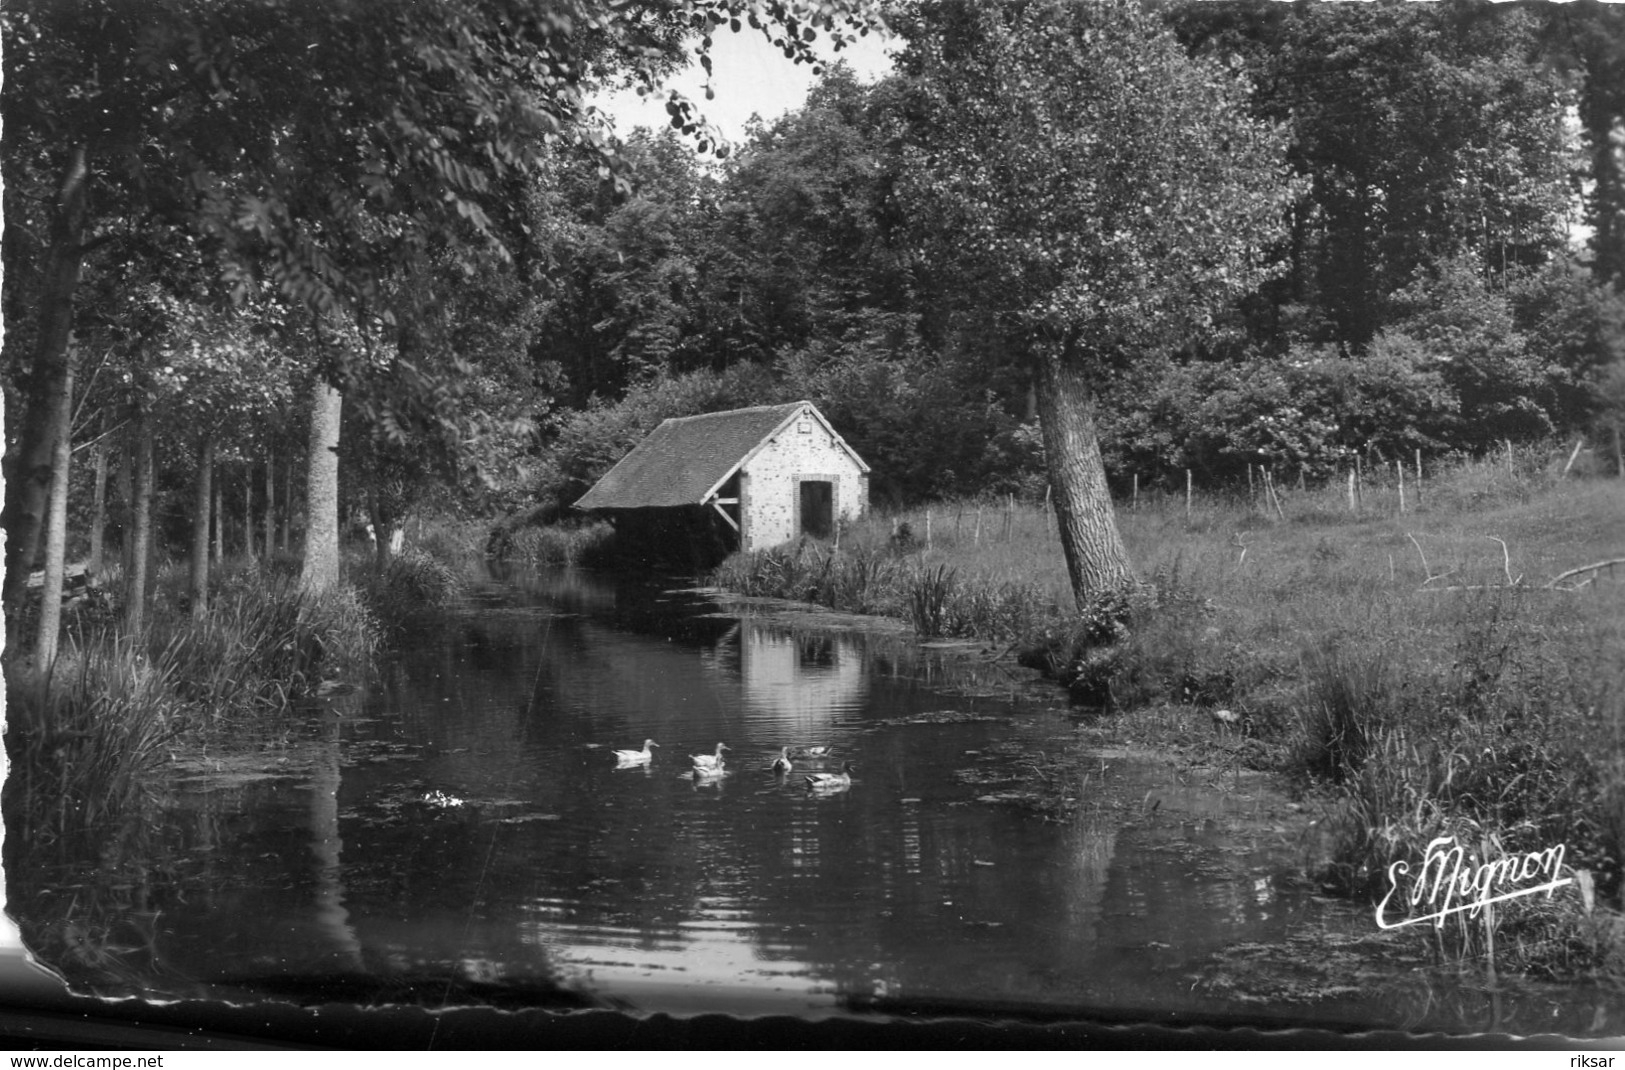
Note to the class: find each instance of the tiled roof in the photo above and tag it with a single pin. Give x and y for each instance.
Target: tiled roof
(684, 458)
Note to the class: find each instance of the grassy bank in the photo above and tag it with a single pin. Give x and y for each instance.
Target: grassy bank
(86, 737)
(1418, 674)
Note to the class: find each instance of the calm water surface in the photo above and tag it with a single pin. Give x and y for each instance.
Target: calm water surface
(460, 831)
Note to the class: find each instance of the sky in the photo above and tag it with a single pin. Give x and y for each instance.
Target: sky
(750, 76)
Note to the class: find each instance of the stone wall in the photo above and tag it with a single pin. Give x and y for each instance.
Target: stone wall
(774, 476)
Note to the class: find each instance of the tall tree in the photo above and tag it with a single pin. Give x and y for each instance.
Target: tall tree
(320, 571)
(1088, 187)
(1590, 39)
(1425, 132)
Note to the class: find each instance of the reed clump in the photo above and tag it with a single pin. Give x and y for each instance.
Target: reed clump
(86, 734)
(568, 543)
(411, 583)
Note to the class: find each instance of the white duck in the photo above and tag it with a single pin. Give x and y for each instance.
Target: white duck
(781, 764)
(636, 757)
(710, 763)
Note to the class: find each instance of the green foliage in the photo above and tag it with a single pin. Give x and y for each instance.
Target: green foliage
(1578, 323)
(552, 544)
(263, 643)
(1072, 174)
(84, 739)
(1501, 386)
(590, 442)
(412, 583)
(926, 425)
(1425, 132)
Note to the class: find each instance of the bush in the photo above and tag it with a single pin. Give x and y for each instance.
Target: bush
(569, 543)
(413, 582)
(85, 738)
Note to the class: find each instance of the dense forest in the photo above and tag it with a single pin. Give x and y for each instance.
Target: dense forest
(1352, 231)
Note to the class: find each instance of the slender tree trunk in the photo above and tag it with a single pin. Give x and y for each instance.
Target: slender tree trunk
(327, 845)
(321, 562)
(218, 512)
(126, 491)
(270, 506)
(56, 533)
(1096, 561)
(383, 526)
(201, 500)
(98, 511)
(248, 512)
(29, 463)
(135, 586)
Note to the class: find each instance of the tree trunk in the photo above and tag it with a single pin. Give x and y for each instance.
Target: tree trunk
(270, 507)
(201, 500)
(1096, 561)
(248, 512)
(1599, 113)
(383, 527)
(56, 533)
(126, 493)
(29, 463)
(135, 586)
(321, 562)
(218, 512)
(98, 511)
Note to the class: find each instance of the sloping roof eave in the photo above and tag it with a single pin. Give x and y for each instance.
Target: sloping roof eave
(685, 459)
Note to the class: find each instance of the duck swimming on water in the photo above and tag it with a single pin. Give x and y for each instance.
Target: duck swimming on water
(710, 763)
(781, 764)
(636, 757)
(831, 781)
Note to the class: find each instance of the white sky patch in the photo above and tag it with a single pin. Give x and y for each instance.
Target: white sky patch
(750, 77)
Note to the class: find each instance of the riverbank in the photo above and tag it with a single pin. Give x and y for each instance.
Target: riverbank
(1438, 672)
(87, 738)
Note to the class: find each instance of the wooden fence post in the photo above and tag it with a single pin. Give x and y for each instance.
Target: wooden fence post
(1399, 470)
(1187, 494)
(1581, 441)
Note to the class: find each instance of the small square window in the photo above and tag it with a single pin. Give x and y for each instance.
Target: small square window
(804, 426)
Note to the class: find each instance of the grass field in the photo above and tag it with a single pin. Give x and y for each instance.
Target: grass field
(1420, 674)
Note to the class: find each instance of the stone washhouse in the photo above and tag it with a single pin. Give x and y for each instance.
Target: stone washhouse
(744, 479)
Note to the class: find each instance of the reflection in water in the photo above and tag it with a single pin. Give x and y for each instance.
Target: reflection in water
(472, 834)
(804, 682)
(328, 845)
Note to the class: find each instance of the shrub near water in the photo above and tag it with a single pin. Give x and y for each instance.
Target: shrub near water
(411, 583)
(86, 737)
(557, 544)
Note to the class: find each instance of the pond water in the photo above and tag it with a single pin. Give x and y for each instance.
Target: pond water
(459, 832)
